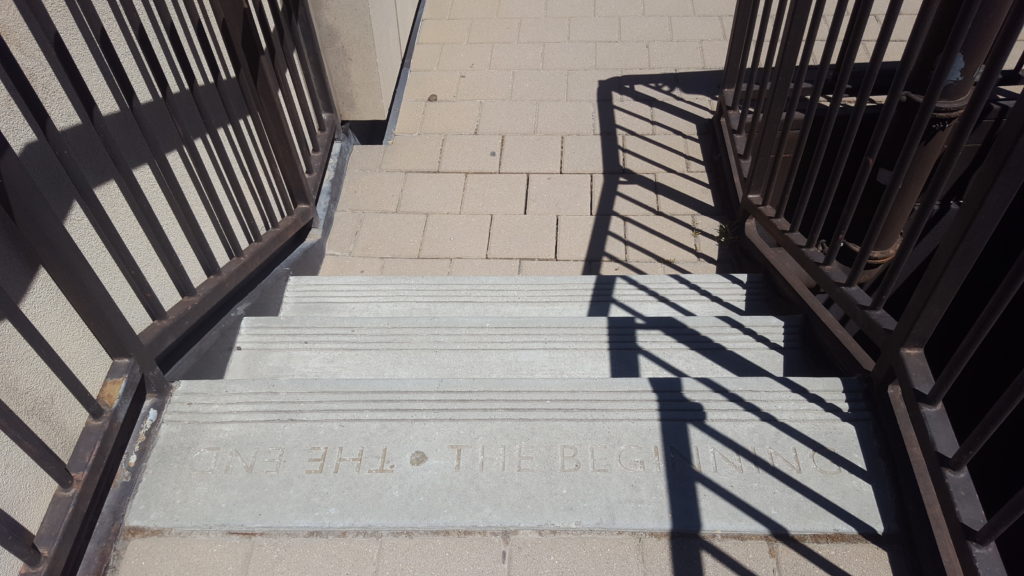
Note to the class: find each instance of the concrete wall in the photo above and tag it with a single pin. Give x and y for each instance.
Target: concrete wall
(26, 384)
(363, 43)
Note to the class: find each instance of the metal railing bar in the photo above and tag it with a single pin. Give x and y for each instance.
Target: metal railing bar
(256, 129)
(287, 50)
(965, 126)
(796, 21)
(997, 304)
(877, 325)
(17, 540)
(812, 107)
(195, 121)
(54, 248)
(854, 33)
(61, 61)
(273, 52)
(787, 124)
(101, 446)
(290, 16)
(285, 17)
(205, 65)
(925, 248)
(182, 114)
(52, 142)
(755, 64)
(106, 58)
(965, 17)
(1002, 520)
(14, 427)
(314, 61)
(911, 372)
(736, 67)
(260, 93)
(207, 107)
(989, 424)
(171, 110)
(34, 447)
(257, 198)
(182, 317)
(770, 78)
(881, 128)
(989, 194)
(12, 313)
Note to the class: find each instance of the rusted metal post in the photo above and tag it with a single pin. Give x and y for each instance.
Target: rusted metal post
(952, 101)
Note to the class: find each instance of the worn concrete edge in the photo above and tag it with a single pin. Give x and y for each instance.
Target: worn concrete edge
(104, 546)
(137, 533)
(403, 74)
(270, 290)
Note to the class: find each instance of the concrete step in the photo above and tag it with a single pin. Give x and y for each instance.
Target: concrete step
(687, 399)
(452, 347)
(751, 455)
(649, 296)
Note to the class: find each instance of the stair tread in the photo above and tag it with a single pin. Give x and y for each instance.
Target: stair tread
(672, 279)
(527, 295)
(536, 347)
(532, 399)
(277, 454)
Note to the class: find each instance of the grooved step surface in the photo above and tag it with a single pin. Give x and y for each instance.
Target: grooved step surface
(752, 455)
(690, 295)
(451, 347)
(748, 399)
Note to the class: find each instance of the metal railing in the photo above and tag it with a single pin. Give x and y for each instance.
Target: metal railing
(874, 188)
(224, 105)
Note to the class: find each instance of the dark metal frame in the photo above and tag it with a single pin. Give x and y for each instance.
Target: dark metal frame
(774, 104)
(261, 81)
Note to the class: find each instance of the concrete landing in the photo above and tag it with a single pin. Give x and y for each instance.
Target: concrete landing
(756, 456)
(648, 296)
(310, 347)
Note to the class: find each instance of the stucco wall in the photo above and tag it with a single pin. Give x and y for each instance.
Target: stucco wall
(363, 43)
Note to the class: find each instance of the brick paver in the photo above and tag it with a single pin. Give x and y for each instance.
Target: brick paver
(500, 554)
(568, 132)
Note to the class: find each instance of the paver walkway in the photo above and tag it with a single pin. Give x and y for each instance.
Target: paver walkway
(544, 137)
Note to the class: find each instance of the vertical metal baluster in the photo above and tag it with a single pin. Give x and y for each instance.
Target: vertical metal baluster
(854, 33)
(33, 446)
(812, 107)
(797, 89)
(1003, 519)
(889, 109)
(965, 18)
(754, 65)
(965, 126)
(102, 49)
(796, 20)
(766, 81)
(79, 189)
(10, 311)
(989, 424)
(971, 341)
(17, 540)
(739, 46)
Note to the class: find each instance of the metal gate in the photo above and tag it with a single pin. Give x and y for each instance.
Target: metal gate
(881, 181)
(186, 149)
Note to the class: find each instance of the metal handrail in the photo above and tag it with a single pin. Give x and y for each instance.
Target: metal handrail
(884, 196)
(237, 93)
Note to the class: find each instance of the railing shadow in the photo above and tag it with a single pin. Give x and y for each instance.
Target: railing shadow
(665, 160)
